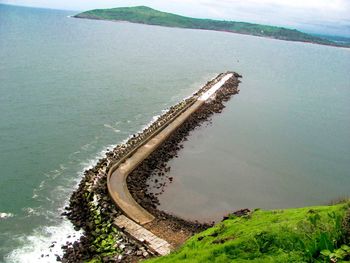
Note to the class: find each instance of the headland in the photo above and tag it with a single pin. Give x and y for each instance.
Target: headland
(149, 16)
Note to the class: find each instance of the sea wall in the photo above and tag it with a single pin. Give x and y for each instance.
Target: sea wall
(92, 209)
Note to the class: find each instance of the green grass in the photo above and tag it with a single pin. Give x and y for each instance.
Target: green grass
(146, 15)
(311, 234)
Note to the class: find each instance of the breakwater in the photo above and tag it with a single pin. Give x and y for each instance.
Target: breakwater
(118, 173)
(92, 209)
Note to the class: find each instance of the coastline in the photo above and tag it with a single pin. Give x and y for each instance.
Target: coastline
(346, 46)
(58, 156)
(92, 209)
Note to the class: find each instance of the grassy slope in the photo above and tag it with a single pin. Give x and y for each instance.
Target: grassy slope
(290, 235)
(146, 15)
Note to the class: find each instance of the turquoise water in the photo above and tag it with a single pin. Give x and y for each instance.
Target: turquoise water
(71, 88)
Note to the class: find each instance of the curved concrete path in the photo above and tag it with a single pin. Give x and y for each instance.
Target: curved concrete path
(116, 179)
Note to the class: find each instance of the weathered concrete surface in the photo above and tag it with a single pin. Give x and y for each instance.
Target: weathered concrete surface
(156, 244)
(90, 196)
(116, 181)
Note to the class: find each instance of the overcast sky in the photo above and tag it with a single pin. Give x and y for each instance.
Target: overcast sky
(321, 16)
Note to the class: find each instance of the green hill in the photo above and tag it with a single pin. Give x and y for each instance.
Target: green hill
(310, 234)
(146, 15)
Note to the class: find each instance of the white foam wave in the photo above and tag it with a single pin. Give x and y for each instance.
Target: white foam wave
(31, 211)
(5, 215)
(44, 245)
(32, 247)
(111, 127)
(86, 146)
(36, 247)
(51, 175)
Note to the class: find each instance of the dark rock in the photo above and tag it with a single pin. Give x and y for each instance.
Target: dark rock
(242, 212)
(82, 215)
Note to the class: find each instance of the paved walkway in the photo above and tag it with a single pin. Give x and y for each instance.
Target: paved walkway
(116, 180)
(136, 216)
(154, 243)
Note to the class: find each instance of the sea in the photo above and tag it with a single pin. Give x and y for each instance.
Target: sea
(70, 89)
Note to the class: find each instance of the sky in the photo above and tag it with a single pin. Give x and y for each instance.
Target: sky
(314, 16)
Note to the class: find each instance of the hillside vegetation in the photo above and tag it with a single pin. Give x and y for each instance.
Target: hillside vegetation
(146, 15)
(311, 234)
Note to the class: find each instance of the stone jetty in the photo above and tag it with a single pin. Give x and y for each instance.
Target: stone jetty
(92, 209)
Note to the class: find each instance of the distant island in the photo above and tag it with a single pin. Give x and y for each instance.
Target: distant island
(149, 16)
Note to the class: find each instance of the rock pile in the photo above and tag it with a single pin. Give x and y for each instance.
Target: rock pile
(91, 208)
(156, 164)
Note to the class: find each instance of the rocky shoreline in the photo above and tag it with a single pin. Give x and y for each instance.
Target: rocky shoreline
(91, 209)
(155, 166)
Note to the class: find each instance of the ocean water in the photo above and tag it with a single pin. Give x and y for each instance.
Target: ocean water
(71, 88)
